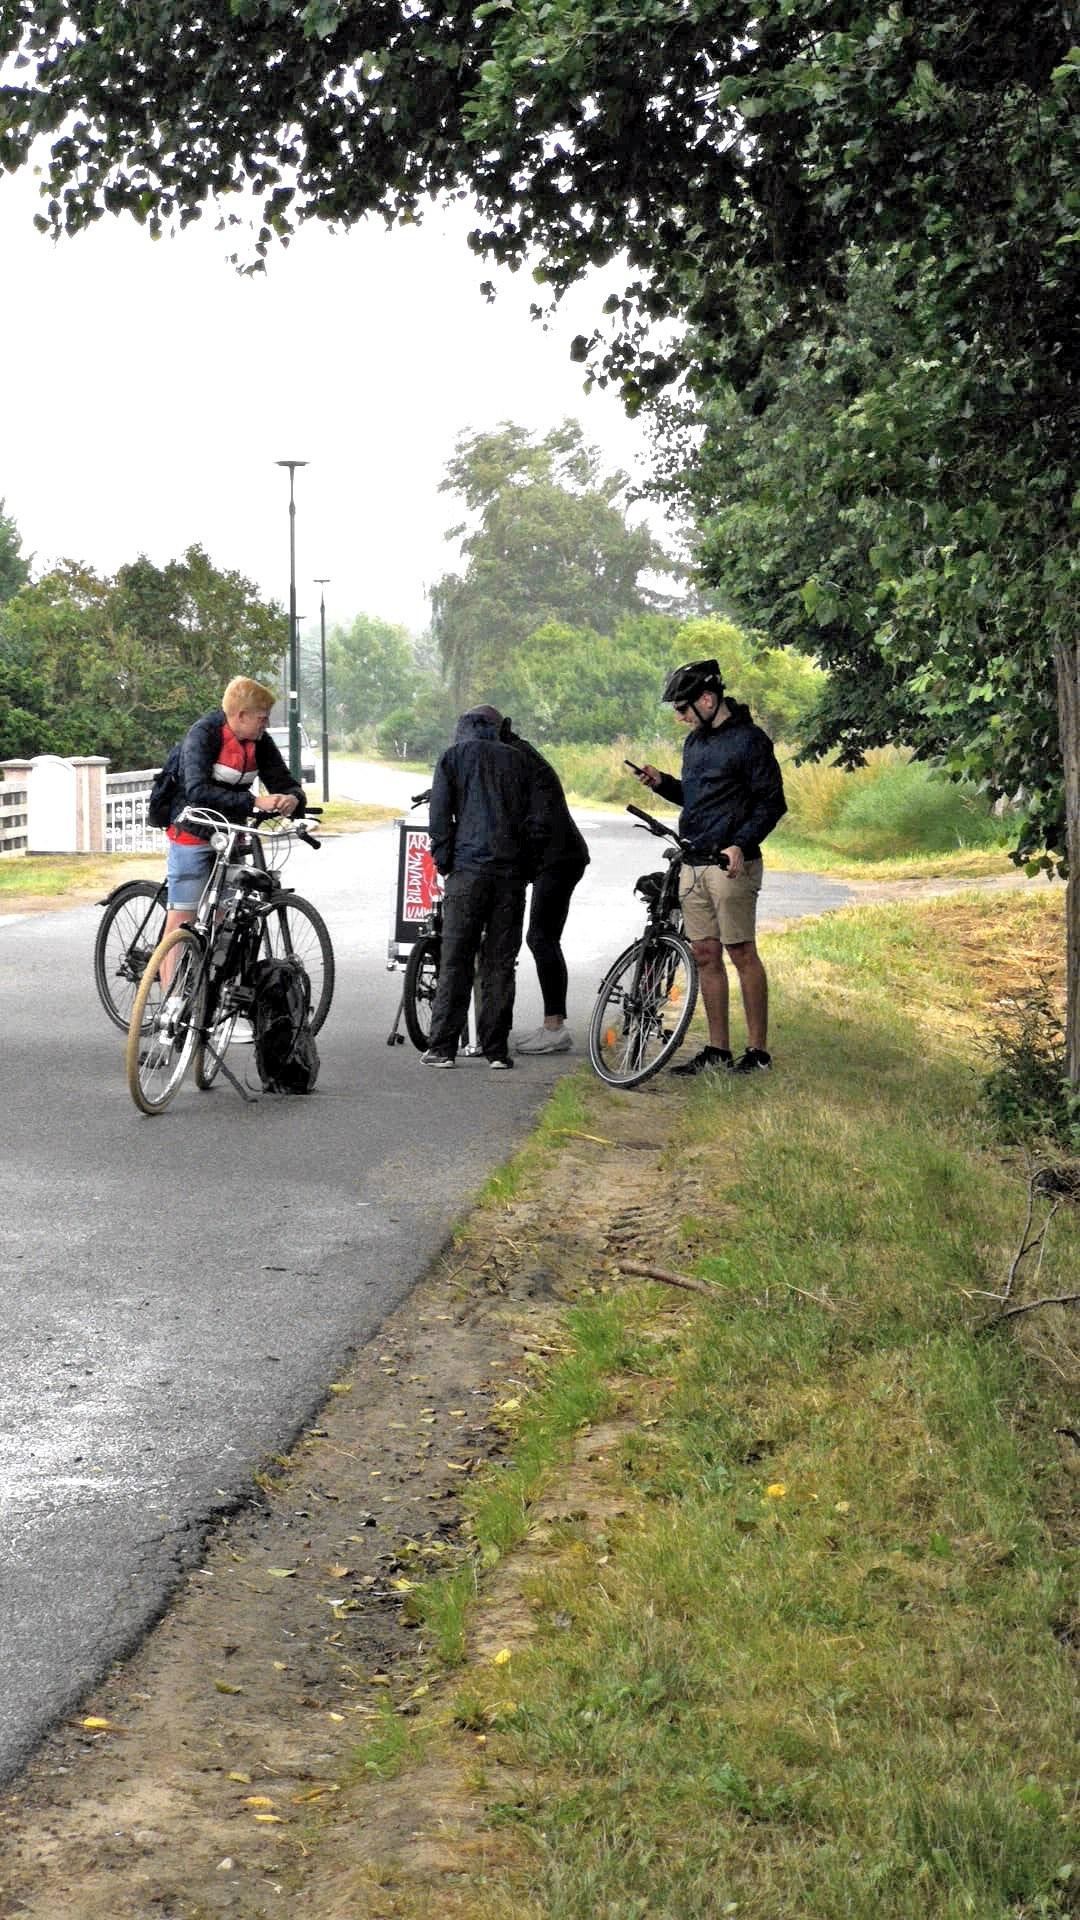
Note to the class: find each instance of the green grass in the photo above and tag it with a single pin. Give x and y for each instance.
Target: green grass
(820, 1664)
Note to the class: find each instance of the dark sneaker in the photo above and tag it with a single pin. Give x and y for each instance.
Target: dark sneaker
(755, 1059)
(709, 1060)
(502, 1063)
(433, 1059)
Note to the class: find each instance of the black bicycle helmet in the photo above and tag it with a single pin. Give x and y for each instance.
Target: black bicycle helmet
(684, 684)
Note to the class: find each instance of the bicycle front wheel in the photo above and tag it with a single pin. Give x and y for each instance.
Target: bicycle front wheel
(166, 1020)
(421, 983)
(645, 1004)
(293, 927)
(129, 930)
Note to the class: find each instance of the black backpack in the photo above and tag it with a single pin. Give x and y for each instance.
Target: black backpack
(285, 1051)
(164, 790)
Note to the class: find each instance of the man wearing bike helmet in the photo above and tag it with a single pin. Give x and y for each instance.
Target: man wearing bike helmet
(732, 795)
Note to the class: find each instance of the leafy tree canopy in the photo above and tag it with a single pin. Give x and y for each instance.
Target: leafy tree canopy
(877, 506)
(370, 669)
(14, 569)
(121, 667)
(548, 540)
(700, 138)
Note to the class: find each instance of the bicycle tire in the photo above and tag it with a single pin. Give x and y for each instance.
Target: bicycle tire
(421, 984)
(166, 1021)
(292, 926)
(129, 929)
(645, 1004)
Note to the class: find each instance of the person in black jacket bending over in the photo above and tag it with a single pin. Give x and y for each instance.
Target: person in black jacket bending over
(560, 862)
(732, 795)
(483, 841)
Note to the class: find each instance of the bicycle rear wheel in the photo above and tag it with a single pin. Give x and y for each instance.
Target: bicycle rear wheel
(645, 1004)
(129, 930)
(294, 927)
(421, 983)
(166, 1020)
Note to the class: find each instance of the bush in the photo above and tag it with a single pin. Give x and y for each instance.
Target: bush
(1027, 1090)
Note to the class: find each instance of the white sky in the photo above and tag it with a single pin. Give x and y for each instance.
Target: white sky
(149, 389)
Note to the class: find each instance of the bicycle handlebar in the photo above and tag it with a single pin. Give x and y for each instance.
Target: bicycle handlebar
(655, 826)
(213, 822)
(663, 832)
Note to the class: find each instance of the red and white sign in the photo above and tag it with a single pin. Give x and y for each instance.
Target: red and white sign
(422, 884)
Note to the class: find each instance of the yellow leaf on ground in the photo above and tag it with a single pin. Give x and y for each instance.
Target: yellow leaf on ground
(258, 1800)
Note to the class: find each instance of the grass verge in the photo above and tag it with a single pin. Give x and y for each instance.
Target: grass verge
(802, 1640)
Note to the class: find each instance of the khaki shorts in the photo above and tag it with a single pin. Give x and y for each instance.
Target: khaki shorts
(719, 906)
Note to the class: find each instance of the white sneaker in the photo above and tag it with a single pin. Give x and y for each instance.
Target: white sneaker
(546, 1040)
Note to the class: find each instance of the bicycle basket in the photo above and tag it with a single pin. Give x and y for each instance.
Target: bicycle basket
(650, 886)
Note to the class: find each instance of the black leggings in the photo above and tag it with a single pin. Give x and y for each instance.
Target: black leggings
(551, 893)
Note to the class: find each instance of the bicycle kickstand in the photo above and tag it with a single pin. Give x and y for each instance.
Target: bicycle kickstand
(245, 1093)
(394, 1038)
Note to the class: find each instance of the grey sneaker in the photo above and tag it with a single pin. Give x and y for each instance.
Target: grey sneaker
(546, 1040)
(502, 1063)
(433, 1059)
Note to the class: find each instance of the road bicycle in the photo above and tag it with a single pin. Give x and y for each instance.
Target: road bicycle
(197, 983)
(647, 998)
(133, 923)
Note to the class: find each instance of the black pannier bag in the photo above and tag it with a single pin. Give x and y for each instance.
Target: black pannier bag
(285, 1051)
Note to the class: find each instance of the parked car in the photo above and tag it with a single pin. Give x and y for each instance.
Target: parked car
(280, 738)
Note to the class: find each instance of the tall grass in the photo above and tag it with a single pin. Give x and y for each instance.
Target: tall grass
(891, 808)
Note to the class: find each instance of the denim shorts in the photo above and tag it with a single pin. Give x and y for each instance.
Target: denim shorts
(186, 871)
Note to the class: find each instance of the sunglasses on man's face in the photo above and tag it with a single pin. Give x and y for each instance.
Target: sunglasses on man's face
(683, 706)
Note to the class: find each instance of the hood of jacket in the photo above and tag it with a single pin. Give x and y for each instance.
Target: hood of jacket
(479, 723)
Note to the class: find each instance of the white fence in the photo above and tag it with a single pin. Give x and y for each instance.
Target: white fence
(126, 831)
(14, 818)
(52, 805)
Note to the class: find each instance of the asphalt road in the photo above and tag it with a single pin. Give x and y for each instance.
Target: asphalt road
(177, 1293)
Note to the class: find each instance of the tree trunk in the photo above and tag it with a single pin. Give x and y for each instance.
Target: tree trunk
(1067, 665)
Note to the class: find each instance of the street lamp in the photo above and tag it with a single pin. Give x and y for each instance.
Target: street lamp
(294, 641)
(320, 582)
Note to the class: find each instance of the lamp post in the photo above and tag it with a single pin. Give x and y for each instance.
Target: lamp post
(294, 641)
(321, 582)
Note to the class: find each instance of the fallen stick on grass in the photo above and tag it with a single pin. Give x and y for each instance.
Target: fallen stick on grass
(669, 1279)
